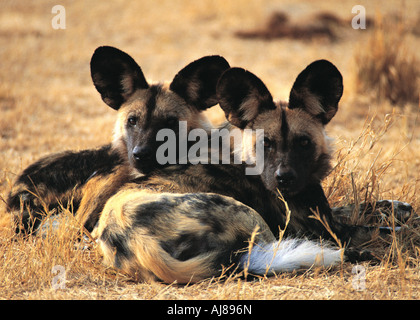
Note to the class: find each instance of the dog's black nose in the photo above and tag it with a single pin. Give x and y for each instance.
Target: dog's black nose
(141, 153)
(285, 178)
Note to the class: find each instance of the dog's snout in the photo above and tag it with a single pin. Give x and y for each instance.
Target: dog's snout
(285, 177)
(141, 152)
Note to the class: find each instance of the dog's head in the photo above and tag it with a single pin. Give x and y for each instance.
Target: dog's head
(144, 109)
(296, 151)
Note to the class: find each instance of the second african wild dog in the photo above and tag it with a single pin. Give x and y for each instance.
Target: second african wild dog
(59, 179)
(184, 222)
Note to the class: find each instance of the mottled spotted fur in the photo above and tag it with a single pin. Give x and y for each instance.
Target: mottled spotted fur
(175, 237)
(187, 237)
(60, 179)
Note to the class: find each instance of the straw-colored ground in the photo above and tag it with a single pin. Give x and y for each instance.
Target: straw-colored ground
(49, 104)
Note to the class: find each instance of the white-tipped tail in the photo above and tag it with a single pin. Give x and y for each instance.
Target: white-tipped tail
(289, 255)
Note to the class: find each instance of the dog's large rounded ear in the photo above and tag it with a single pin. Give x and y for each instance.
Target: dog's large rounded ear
(196, 83)
(318, 89)
(243, 96)
(115, 75)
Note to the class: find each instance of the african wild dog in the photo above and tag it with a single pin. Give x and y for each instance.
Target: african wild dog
(183, 222)
(297, 152)
(59, 179)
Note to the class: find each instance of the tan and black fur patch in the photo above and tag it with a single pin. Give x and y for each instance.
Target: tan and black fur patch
(176, 237)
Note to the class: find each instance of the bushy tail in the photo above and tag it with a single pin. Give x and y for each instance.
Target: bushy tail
(289, 255)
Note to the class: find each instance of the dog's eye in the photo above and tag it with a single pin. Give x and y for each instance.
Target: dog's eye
(304, 142)
(267, 143)
(132, 121)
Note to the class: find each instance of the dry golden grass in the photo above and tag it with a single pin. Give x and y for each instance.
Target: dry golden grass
(48, 104)
(386, 67)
